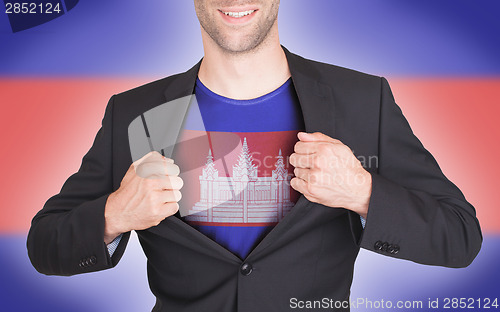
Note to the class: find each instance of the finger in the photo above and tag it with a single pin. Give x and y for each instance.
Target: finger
(157, 169)
(169, 160)
(172, 169)
(305, 147)
(151, 170)
(301, 186)
(172, 183)
(311, 176)
(171, 208)
(132, 170)
(170, 196)
(157, 157)
(302, 161)
(152, 154)
(316, 137)
(317, 147)
(301, 173)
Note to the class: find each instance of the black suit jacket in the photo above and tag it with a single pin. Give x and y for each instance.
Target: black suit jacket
(415, 212)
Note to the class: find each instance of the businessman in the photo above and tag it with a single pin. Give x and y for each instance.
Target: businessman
(240, 232)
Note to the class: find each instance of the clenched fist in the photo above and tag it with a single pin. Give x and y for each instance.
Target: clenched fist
(148, 193)
(327, 172)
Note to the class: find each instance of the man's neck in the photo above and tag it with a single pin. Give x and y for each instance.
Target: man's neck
(244, 76)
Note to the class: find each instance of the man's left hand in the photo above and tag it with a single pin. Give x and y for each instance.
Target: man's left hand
(327, 172)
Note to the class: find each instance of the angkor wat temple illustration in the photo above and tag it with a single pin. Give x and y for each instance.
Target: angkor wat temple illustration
(243, 197)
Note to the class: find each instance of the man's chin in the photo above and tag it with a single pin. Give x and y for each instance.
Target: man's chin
(240, 46)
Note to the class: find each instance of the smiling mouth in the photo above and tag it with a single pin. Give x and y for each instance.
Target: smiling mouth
(239, 14)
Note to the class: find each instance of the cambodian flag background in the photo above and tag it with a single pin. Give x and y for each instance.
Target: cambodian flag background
(442, 59)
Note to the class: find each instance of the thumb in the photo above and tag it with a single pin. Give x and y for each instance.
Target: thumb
(149, 157)
(316, 136)
(146, 157)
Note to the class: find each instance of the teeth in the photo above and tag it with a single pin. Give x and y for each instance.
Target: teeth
(239, 14)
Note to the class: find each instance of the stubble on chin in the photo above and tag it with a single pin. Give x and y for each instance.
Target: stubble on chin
(244, 44)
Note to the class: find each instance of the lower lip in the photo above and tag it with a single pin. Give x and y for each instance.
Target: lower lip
(237, 20)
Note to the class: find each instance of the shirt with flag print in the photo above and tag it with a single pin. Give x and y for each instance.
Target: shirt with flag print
(233, 158)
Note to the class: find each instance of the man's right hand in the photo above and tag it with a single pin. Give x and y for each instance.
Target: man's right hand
(148, 193)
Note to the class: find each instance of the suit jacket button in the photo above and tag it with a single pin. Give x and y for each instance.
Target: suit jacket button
(384, 246)
(83, 263)
(93, 260)
(378, 245)
(390, 249)
(396, 249)
(246, 269)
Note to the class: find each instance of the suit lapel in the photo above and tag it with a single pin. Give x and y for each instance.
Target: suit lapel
(318, 109)
(177, 93)
(183, 84)
(181, 88)
(315, 97)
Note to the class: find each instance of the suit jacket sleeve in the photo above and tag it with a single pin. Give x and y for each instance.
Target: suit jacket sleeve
(414, 209)
(67, 236)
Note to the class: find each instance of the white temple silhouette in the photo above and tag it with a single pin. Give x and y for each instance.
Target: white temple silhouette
(244, 197)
